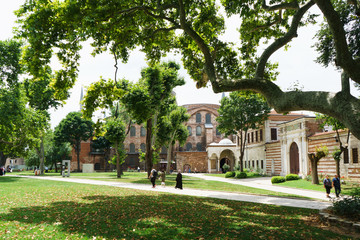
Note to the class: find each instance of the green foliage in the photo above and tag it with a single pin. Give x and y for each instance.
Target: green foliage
(355, 192)
(330, 121)
(337, 154)
(229, 174)
(240, 175)
(321, 151)
(277, 179)
(347, 207)
(32, 159)
(290, 177)
(226, 167)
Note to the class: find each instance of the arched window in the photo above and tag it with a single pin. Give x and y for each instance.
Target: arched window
(142, 132)
(208, 118)
(189, 130)
(198, 131)
(188, 147)
(198, 117)
(132, 131)
(143, 147)
(132, 147)
(199, 147)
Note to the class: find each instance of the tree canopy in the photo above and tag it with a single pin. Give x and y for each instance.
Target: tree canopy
(194, 29)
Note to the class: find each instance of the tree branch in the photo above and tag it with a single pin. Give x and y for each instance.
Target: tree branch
(280, 42)
(343, 56)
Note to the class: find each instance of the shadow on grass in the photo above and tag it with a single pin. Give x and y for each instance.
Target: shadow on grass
(6, 179)
(164, 216)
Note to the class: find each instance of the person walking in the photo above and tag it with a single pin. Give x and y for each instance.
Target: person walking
(179, 180)
(337, 185)
(162, 175)
(327, 185)
(153, 176)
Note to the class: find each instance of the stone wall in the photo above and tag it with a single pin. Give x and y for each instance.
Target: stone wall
(196, 160)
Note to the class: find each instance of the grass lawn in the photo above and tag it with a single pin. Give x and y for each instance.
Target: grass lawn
(40, 209)
(188, 182)
(302, 183)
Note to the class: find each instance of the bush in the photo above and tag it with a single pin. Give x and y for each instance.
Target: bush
(347, 207)
(290, 177)
(225, 167)
(230, 174)
(253, 174)
(277, 179)
(355, 192)
(240, 175)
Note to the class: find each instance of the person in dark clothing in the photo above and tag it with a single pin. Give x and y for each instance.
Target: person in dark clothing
(179, 180)
(337, 185)
(327, 185)
(153, 176)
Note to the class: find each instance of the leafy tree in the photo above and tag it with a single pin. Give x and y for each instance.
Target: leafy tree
(115, 134)
(240, 112)
(74, 129)
(336, 125)
(320, 152)
(195, 29)
(20, 125)
(171, 128)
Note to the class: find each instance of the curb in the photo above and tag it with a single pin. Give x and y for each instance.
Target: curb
(338, 221)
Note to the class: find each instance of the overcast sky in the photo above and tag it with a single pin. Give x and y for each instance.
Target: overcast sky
(295, 65)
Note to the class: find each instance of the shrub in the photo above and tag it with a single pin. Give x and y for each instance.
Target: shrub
(355, 192)
(308, 178)
(240, 175)
(253, 174)
(277, 179)
(230, 174)
(290, 177)
(225, 167)
(347, 207)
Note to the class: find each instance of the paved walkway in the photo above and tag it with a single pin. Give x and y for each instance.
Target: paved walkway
(265, 183)
(281, 201)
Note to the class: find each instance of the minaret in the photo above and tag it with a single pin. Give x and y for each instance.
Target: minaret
(81, 98)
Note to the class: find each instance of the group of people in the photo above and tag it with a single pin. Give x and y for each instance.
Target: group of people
(335, 183)
(154, 175)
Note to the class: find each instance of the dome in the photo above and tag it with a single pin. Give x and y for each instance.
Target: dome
(226, 141)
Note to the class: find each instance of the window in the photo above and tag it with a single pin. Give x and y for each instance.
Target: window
(355, 157)
(163, 150)
(143, 147)
(253, 163)
(245, 164)
(132, 147)
(262, 164)
(132, 162)
(346, 156)
(257, 163)
(273, 134)
(132, 131)
(208, 118)
(248, 137)
(261, 135)
(198, 117)
(199, 147)
(218, 133)
(142, 132)
(256, 136)
(198, 131)
(189, 130)
(252, 136)
(188, 147)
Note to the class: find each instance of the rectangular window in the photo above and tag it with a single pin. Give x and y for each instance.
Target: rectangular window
(142, 132)
(261, 135)
(244, 164)
(132, 131)
(248, 137)
(262, 164)
(346, 156)
(257, 163)
(355, 156)
(253, 163)
(252, 137)
(273, 134)
(198, 117)
(256, 136)
(208, 118)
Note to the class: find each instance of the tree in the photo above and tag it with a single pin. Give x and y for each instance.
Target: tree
(20, 124)
(336, 125)
(74, 129)
(171, 128)
(320, 152)
(240, 112)
(115, 133)
(195, 29)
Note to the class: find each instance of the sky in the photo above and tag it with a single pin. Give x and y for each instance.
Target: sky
(296, 66)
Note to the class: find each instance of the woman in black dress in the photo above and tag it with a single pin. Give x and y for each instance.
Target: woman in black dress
(179, 180)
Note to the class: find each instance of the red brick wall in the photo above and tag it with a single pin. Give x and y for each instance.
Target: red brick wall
(273, 152)
(196, 160)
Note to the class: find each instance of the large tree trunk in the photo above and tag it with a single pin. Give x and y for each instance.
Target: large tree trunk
(242, 150)
(337, 163)
(314, 172)
(169, 162)
(118, 167)
(149, 151)
(77, 149)
(3, 158)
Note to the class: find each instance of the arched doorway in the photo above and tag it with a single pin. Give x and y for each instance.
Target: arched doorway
(187, 168)
(222, 162)
(294, 159)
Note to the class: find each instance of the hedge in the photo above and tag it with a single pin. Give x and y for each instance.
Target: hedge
(277, 179)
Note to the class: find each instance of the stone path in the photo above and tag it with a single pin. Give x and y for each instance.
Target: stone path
(281, 201)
